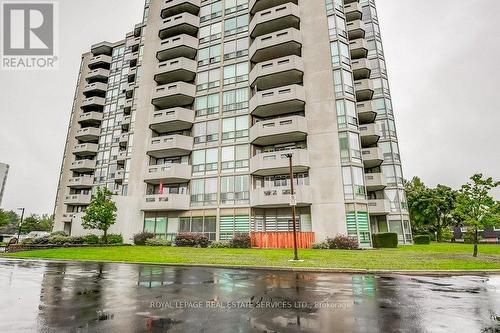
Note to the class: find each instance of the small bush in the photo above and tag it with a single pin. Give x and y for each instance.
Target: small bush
(76, 240)
(59, 233)
(59, 240)
(422, 239)
(220, 245)
(113, 239)
(342, 242)
(320, 246)
(191, 239)
(241, 241)
(140, 239)
(91, 239)
(27, 241)
(158, 242)
(385, 240)
(41, 240)
(468, 236)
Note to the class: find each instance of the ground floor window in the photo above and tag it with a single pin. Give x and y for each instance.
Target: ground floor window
(230, 225)
(281, 220)
(206, 225)
(156, 224)
(358, 226)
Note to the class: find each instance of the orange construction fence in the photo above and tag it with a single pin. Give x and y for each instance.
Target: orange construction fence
(281, 239)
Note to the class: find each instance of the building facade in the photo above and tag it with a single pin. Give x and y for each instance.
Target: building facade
(189, 119)
(4, 172)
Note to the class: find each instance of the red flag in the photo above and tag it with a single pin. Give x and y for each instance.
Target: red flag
(160, 191)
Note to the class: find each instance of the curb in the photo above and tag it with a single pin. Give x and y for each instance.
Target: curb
(280, 269)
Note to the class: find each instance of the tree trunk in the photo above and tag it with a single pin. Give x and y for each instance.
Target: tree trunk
(438, 236)
(475, 243)
(105, 237)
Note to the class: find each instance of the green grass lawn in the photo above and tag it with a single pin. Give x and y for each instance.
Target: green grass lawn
(416, 257)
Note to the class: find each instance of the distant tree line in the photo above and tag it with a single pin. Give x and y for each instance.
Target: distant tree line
(9, 223)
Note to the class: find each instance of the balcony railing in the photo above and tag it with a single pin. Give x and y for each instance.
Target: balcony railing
(280, 130)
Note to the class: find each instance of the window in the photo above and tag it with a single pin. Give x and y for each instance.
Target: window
(340, 53)
(282, 181)
(156, 225)
(235, 190)
(206, 225)
(209, 55)
(383, 107)
(235, 100)
(205, 161)
(204, 192)
(211, 11)
(337, 26)
(206, 131)
(230, 225)
(232, 6)
(235, 158)
(346, 114)
(236, 73)
(235, 128)
(354, 183)
(236, 25)
(350, 148)
(343, 82)
(207, 105)
(208, 79)
(210, 32)
(235, 48)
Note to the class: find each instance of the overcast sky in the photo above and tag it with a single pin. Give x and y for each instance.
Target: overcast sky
(443, 62)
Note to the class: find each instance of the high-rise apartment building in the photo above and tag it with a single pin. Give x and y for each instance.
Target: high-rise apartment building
(189, 119)
(4, 172)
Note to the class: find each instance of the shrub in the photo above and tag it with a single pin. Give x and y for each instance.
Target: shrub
(220, 245)
(76, 240)
(191, 239)
(468, 236)
(41, 240)
(422, 239)
(140, 239)
(158, 242)
(385, 240)
(321, 246)
(59, 240)
(91, 239)
(113, 239)
(241, 241)
(59, 233)
(342, 242)
(27, 241)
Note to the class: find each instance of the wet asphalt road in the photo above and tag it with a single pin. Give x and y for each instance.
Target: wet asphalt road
(63, 297)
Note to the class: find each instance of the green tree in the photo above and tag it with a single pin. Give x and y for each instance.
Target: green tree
(4, 218)
(37, 223)
(476, 207)
(12, 222)
(101, 213)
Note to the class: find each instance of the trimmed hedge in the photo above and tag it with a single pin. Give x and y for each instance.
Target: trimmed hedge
(113, 239)
(422, 239)
(241, 241)
(342, 242)
(220, 245)
(385, 240)
(191, 239)
(140, 238)
(158, 242)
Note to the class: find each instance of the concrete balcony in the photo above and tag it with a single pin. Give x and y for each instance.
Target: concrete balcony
(134, 43)
(276, 163)
(280, 197)
(258, 5)
(358, 48)
(105, 48)
(353, 11)
(184, 23)
(67, 218)
(100, 61)
(276, 45)
(129, 91)
(280, 130)
(123, 140)
(86, 149)
(122, 157)
(372, 157)
(88, 134)
(356, 29)
(83, 166)
(364, 90)
(176, 47)
(375, 182)
(166, 202)
(170, 146)
(97, 75)
(278, 72)
(361, 69)
(174, 7)
(134, 59)
(168, 174)
(369, 134)
(278, 101)
(379, 207)
(90, 118)
(127, 107)
(119, 174)
(81, 182)
(366, 113)
(132, 72)
(78, 199)
(174, 94)
(95, 89)
(176, 119)
(179, 69)
(127, 120)
(274, 19)
(93, 103)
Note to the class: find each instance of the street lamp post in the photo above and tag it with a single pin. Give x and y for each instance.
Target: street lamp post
(19, 226)
(292, 204)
